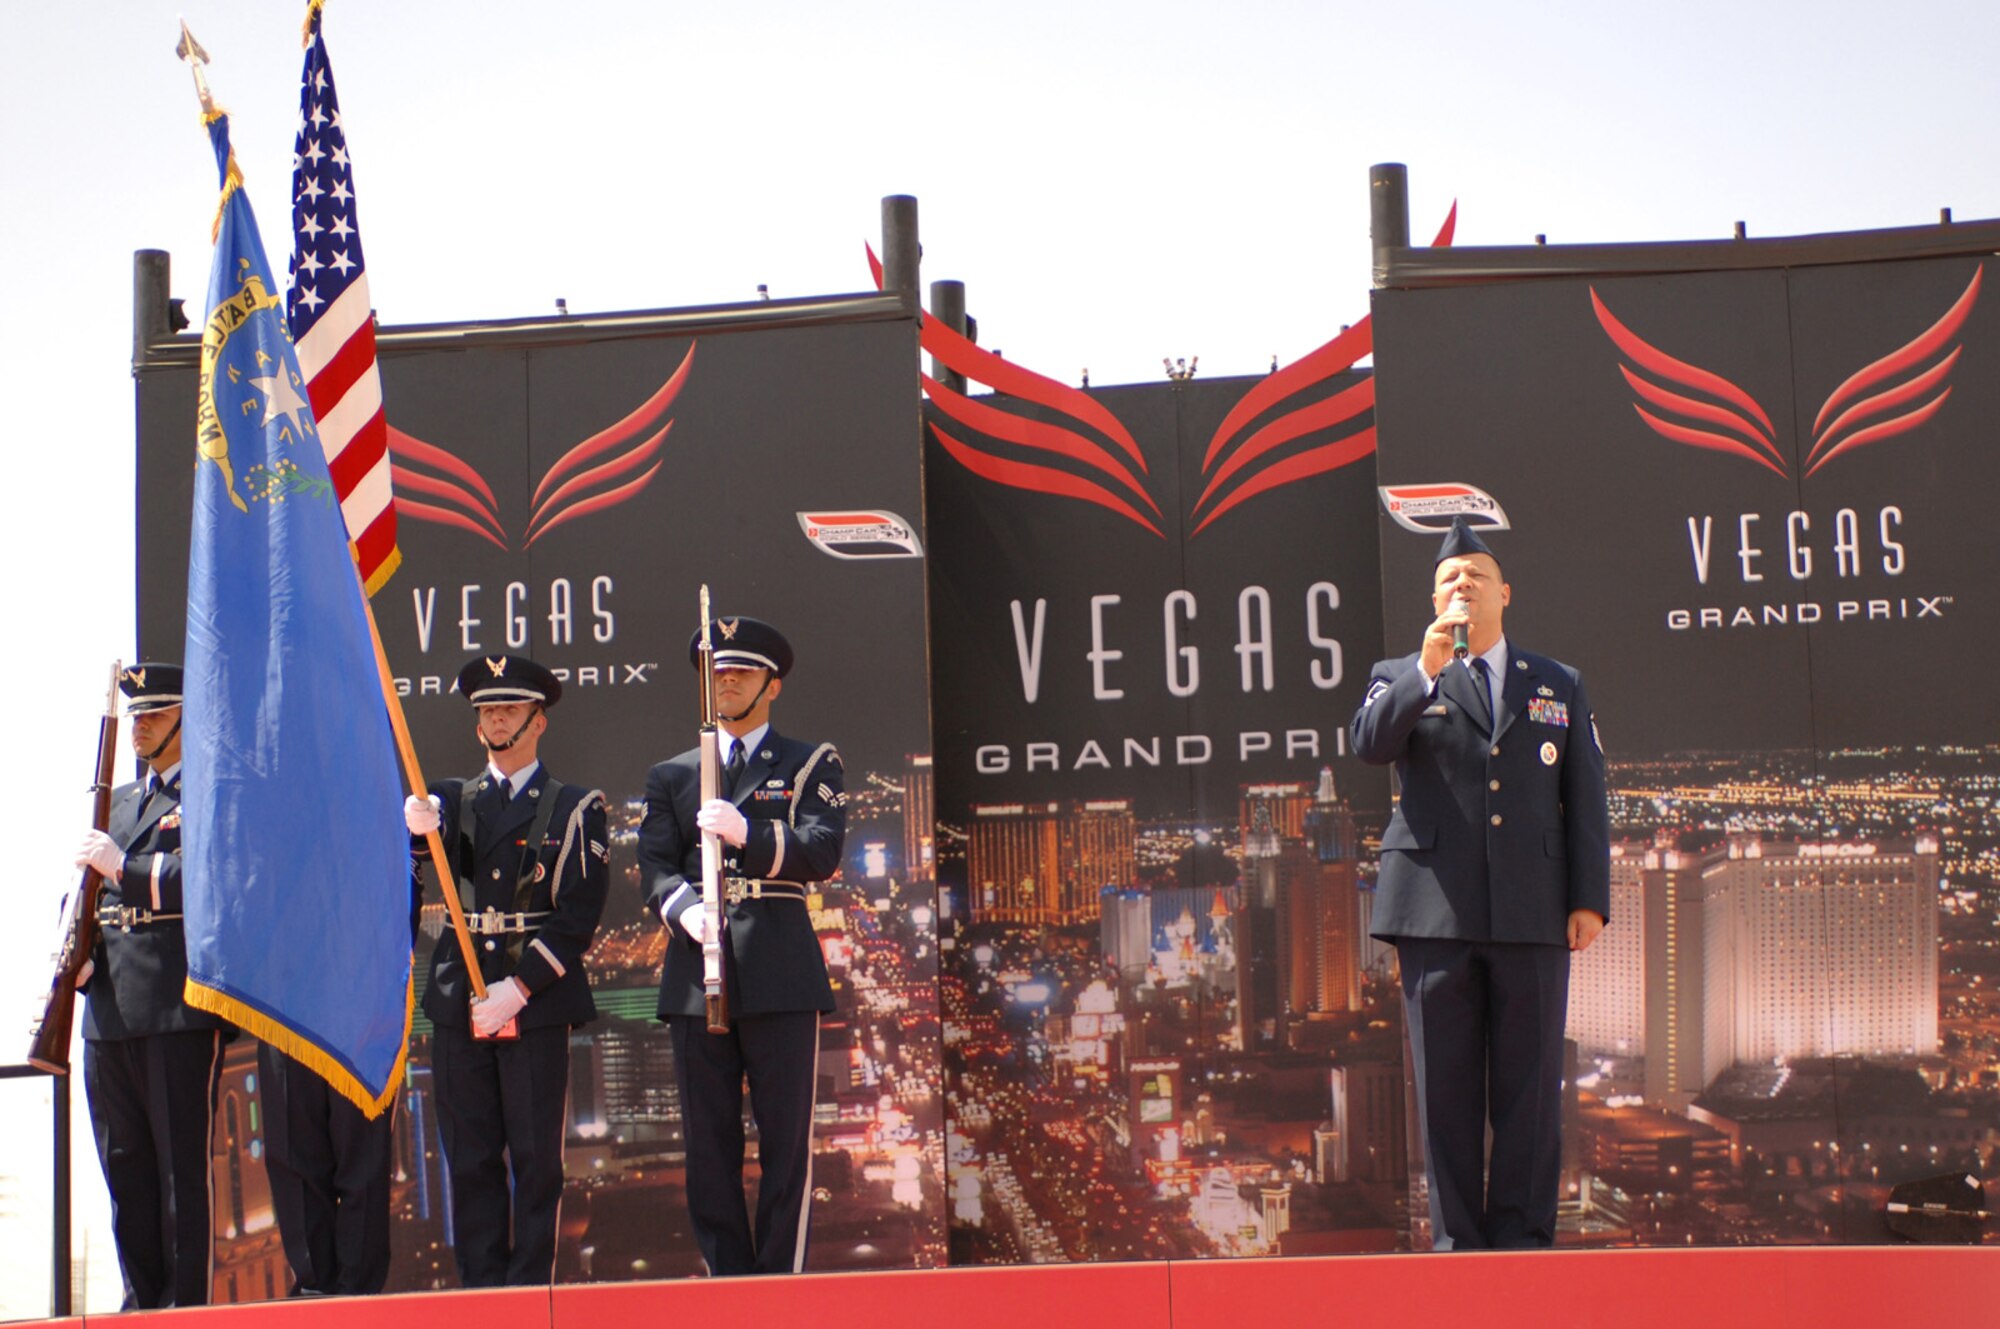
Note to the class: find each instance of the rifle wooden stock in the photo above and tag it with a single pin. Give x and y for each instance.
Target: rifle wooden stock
(715, 994)
(48, 1042)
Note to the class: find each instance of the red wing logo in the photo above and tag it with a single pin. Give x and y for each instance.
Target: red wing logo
(604, 470)
(1701, 409)
(1092, 457)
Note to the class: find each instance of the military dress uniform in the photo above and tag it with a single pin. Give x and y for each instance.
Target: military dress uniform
(1500, 831)
(791, 794)
(329, 1166)
(532, 870)
(152, 1064)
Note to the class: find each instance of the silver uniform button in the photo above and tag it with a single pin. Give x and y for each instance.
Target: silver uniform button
(1496, 752)
(492, 945)
(1496, 819)
(496, 874)
(1493, 785)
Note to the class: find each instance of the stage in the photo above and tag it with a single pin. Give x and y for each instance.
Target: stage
(1792, 1287)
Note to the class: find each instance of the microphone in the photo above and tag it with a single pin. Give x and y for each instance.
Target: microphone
(1460, 645)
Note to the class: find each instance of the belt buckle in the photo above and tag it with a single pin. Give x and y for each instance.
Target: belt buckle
(489, 921)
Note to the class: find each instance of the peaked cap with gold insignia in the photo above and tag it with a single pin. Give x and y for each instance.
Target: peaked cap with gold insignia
(495, 680)
(150, 686)
(744, 643)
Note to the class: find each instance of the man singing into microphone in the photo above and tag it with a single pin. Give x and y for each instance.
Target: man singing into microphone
(531, 858)
(1495, 866)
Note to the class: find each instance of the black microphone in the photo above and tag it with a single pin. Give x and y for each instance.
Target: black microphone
(1460, 645)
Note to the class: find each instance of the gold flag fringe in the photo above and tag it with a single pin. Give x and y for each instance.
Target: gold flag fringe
(304, 1051)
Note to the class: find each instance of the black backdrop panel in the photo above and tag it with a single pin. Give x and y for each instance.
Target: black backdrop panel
(1167, 1034)
(1805, 877)
(766, 425)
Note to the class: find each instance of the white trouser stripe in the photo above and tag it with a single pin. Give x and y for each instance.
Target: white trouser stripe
(806, 1196)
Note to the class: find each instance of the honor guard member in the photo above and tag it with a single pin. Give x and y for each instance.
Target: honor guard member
(151, 1062)
(531, 857)
(329, 1168)
(1496, 865)
(781, 820)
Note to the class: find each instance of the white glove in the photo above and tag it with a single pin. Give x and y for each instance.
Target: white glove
(101, 854)
(719, 817)
(504, 1001)
(694, 922)
(422, 815)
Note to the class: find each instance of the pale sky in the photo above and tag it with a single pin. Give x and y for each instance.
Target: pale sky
(1115, 182)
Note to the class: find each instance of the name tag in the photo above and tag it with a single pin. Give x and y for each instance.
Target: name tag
(1543, 710)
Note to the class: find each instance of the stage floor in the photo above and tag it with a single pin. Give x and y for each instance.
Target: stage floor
(1794, 1287)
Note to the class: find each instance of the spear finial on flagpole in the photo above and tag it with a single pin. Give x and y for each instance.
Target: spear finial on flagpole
(190, 53)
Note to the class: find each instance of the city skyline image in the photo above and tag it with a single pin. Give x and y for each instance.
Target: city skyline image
(1789, 1014)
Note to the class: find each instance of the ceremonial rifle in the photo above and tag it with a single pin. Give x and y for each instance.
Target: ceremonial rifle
(48, 1045)
(715, 996)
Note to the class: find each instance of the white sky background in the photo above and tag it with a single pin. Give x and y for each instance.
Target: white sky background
(1115, 182)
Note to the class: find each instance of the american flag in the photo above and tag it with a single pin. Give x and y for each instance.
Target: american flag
(332, 322)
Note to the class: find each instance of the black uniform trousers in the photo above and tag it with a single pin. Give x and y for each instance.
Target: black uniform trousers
(779, 1052)
(152, 1105)
(329, 1170)
(1486, 1039)
(501, 1104)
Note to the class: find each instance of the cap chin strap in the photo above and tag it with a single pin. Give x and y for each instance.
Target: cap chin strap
(512, 739)
(761, 688)
(148, 757)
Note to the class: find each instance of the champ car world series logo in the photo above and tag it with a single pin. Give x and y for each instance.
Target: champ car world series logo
(1431, 507)
(1696, 407)
(859, 534)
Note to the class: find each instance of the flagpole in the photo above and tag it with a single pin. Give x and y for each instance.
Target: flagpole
(414, 773)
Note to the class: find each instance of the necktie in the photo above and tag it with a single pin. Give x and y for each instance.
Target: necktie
(1481, 674)
(732, 769)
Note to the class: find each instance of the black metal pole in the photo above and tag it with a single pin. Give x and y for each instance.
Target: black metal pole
(59, 1218)
(151, 304)
(1388, 214)
(948, 308)
(901, 253)
(59, 1212)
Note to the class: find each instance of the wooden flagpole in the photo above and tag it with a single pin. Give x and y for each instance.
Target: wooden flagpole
(414, 773)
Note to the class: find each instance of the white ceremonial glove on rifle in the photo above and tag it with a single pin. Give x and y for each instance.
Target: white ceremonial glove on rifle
(101, 854)
(422, 815)
(720, 817)
(694, 921)
(504, 1001)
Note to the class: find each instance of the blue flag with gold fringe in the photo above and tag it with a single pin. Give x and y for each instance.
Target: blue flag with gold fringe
(295, 861)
